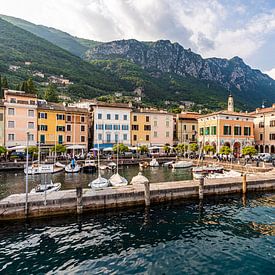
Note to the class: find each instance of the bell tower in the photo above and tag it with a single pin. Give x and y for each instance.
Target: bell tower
(230, 103)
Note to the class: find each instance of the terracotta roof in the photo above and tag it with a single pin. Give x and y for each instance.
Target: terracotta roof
(188, 116)
(263, 110)
(113, 105)
(152, 111)
(60, 107)
(225, 112)
(19, 93)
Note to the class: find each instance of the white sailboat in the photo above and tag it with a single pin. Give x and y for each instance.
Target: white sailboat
(47, 187)
(99, 182)
(182, 164)
(117, 180)
(154, 163)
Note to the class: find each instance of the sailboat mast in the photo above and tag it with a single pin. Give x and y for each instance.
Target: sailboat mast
(117, 148)
(74, 120)
(98, 157)
(55, 137)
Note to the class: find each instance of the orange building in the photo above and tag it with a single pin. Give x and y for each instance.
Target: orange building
(229, 128)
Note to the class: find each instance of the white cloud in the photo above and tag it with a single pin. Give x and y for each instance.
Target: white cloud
(209, 27)
(271, 73)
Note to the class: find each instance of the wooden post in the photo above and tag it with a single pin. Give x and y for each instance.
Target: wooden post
(79, 203)
(201, 187)
(147, 193)
(244, 183)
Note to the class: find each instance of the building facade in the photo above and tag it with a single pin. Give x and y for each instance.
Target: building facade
(20, 118)
(2, 124)
(226, 128)
(111, 124)
(265, 129)
(187, 127)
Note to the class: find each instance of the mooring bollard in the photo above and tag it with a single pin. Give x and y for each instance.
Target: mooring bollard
(140, 179)
(244, 183)
(79, 196)
(201, 187)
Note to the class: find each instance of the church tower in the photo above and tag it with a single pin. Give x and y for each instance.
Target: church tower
(230, 104)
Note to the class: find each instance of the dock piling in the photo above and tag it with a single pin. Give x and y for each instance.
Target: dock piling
(244, 183)
(201, 187)
(79, 197)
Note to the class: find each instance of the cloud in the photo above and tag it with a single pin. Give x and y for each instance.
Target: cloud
(271, 73)
(211, 27)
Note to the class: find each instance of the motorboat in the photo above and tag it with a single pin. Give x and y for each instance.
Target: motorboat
(59, 164)
(200, 171)
(117, 180)
(99, 183)
(73, 167)
(48, 188)
(225, 174)
(111, 165)
(37, 168)
(143, 164)
(168, 163)
(154, 163)
(89, 166)
(182, 164)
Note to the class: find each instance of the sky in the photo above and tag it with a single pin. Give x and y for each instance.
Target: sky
(220, 28)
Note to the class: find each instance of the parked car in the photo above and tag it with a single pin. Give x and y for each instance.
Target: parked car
(19, 155)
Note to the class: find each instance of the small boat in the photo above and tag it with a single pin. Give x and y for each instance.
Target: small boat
(59, 164)
(99, 183)
(206, 170)
(225, 174)
(36, 168)
(111, 166)
(48, 188)
(89, 166)
(143, 164)
(73, 167)
(168, 163)
(103, 167)
(182, 164)
(117, 180)
(154, 163)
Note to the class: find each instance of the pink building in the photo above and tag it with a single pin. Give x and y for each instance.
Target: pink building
(20, 118)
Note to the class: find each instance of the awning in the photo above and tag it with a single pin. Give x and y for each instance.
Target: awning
(76, 146)
(94, 149)
(104, 145)
(108, 149)
(154, 148)
(17, 148)
(133, 148)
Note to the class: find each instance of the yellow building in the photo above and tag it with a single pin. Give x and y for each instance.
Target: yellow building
(51, 124)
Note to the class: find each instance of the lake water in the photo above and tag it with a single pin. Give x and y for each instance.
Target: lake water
(14, 182)
(223, 237)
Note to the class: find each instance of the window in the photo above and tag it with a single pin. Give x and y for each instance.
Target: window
(135, 127)
(42, 139)
(272, 136)
(108, 116)
(167, 134)
(43, 115)
(82, 138)
(147, 127)
(69, 128)
(193, 137)
(99, 136)
(11, 111)
(261, 124)
(125, 136)
(207, 131)
(155, 134)
(82, 119)
(1, 117)
(30, 125)
(193, 127)
(69, 118)
(99, 126)
(134, 118)
(147, 137)
(116, 127)
(186, 136)
(125, 117)
(82, 128)
(272, 123)
(31, 113)
(116, 138)
(42, 128)
(116, 116)
(60, 117)
(247, 131)
(125, 127)
(32, 102)
(60, 139)
(60, 128)
(11, 137)
(226, 130)
(201, 131)
(13, 100)
(261, 136)
(135, 137)
(147, 118)
(69, 138)
(11, 124)
(213, 130)
(167, 123)
(184, 127)
(108, 126)
(108, 136)
(155, 123)
(237, 130)
(99, 116)
(31, 137)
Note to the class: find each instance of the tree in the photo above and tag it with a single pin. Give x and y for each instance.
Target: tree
(193, 147)
(5, 84)
(51, 94)
(249, 150)
(31, 86)
(181, 148)
(121, 148)
(59, 148)
(33, 151)
(24, 86)
(225, 150)
(209, 148)
(143, 149)
(3, 150)
(1, 92)
(166, 149)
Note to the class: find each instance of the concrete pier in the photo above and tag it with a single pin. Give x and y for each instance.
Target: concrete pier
(67, 201)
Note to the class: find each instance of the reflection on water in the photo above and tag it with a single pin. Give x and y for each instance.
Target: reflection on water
(178, 238)
(14, 182)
